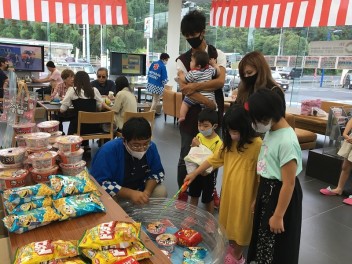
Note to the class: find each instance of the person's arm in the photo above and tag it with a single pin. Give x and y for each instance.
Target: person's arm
(347, 130)
(137, 197)
(154, 162)
(46, 79)
(203, 167)
(288, 175)
(213, 63)
(67, 101)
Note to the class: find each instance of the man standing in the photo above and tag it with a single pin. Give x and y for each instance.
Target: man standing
(193, 29)
(54, 77)
(157, 78)
(102, 83)
(4, 65)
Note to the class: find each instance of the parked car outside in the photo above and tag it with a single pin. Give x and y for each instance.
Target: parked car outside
(77, 66)
(231, 80)
(347, 80)
(284, 83)
(291, 73)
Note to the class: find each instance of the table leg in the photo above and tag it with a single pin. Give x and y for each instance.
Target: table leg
(139, 94)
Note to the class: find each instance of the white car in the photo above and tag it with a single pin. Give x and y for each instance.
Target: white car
(284, 83)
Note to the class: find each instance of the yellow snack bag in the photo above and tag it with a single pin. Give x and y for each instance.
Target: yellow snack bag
(120, 234)
(111, 255)
(45, 251)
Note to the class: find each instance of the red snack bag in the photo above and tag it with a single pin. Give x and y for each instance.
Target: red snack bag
(128, 260)
(188, 237)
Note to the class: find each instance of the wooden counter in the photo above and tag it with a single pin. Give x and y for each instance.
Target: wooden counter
(74, 229)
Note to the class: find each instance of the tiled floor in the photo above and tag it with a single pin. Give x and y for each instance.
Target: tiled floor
(327, 222)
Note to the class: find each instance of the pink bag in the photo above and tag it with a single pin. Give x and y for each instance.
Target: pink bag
(306, 106)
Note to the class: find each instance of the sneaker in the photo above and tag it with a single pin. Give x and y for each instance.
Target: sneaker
(216, 199)
(181, 201)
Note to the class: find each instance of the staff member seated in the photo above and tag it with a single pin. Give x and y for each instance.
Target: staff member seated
(102, 83)
(54, 77)
(129, 168)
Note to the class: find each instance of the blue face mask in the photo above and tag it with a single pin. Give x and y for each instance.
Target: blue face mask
(207, 132)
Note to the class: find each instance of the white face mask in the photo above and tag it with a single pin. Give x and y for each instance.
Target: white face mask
(261, 128)
(136, 154)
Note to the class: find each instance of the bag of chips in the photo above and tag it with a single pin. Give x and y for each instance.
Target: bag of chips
(136, 250)
(71, 185)
(39, 189)
(114, 233)
(78, 205)
(46, 251)
(24, 221)
(13, 208)
(194, 255)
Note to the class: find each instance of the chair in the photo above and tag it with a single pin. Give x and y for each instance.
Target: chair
(306, 139)
(178, 102)
(96, 118)
(150, 116)
(169, 104)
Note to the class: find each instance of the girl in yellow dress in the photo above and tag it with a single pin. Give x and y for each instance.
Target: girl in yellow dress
(238, 155)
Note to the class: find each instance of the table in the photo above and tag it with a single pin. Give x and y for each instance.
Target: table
(33, 85)
(74, 229)
(230, 100)
(49, 108)
(139, 87)
(144, 106)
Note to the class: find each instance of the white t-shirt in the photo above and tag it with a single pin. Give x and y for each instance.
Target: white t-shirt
(71, 95)
(55, 78)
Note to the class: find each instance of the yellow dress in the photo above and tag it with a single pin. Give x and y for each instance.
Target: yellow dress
(238, 191)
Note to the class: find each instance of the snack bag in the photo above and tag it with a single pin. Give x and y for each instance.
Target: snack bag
(39, 189)
(75, 260)
(24, 221)
(78, 205)
(194, 255)
(128, 260)
(196, 156)
(45, 251)
(119, 234)
(188, 237)
(136, 250)
(71, 185)
(13, 208)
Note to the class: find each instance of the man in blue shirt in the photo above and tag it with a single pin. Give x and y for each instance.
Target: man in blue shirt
(102, 83)
(157, 78)
(129, 168)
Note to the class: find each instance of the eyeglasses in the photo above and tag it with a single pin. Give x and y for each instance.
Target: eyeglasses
(101, 76)
(137, 147)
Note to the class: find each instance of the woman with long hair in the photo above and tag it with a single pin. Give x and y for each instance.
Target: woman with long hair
(255, 74)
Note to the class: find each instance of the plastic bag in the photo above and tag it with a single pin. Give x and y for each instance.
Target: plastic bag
(307, 105)
(316, 111)
(196, 156)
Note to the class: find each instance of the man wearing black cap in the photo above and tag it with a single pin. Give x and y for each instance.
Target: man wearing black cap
(54, 77)
(4, 65)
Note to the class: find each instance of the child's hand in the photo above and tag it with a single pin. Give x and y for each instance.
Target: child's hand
(212, 62)
(276, 224)
(349, 140)
(190, 178)
(195, 142)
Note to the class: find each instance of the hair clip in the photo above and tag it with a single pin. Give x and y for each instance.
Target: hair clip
(246, 106)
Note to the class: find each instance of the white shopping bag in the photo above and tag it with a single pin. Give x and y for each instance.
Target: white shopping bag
(196, 156)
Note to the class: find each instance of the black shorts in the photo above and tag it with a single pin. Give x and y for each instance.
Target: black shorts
(203, 185)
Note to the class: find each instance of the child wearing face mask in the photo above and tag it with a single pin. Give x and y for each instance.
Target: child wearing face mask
(278, 209)
(207, 123)
(202, 70)
(238, 155)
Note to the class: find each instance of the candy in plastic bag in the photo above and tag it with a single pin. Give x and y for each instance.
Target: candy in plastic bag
(39, 189)
(13, 208)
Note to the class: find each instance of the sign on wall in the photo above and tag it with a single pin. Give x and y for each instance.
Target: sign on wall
(311, 62)
(270, 60)
(328, 62)
(295, 61)
(282, 61)
(330, 48)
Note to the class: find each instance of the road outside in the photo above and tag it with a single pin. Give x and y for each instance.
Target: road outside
(309, 88)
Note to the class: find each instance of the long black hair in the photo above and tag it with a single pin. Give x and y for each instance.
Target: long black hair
(82, 82)
(264, 105)
(237, 118)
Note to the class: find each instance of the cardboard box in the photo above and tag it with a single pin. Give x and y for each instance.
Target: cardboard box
(5, 251)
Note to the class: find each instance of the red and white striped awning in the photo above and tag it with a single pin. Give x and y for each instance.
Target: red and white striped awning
(95, 12)
(280, 13)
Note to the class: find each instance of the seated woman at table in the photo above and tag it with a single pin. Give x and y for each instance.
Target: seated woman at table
(83, 97)
(129, 168)
(125, 101)
(59, 93)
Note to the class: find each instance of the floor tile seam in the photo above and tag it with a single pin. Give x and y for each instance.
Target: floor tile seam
(321, 213)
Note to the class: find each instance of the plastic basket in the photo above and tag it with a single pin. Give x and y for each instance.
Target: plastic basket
(215, 242)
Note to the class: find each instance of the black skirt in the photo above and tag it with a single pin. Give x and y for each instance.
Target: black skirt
(267, 247)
